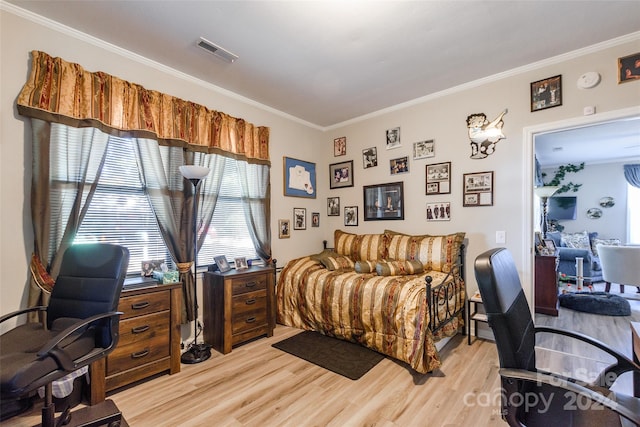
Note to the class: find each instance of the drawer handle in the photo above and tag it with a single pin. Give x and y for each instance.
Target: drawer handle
(140, 354)
(251, 319)
(140, 305)
(250, 301)
(140, 329)
(250, 284)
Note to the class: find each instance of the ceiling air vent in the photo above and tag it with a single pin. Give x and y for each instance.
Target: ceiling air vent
(216, 50)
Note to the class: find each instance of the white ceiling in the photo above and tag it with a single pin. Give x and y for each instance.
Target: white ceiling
(328, 62)
(599, 143)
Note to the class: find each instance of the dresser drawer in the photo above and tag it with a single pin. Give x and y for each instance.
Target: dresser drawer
(138, 305)
(248, 283)
(143, 339)
(250, 301)
(246, 321)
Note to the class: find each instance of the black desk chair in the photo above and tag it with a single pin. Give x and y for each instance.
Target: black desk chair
(531, 397)
(81, 327)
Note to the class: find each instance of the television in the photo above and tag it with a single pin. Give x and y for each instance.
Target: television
(560, 208)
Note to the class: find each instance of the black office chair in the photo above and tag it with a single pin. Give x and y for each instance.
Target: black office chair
(531, 397)
(81, 328)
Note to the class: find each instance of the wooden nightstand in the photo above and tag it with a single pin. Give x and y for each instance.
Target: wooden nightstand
(239, 305)
(149, 339)
(473, 304)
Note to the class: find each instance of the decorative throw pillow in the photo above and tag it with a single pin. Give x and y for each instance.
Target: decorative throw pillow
(359, 247)
(439, 253)
(608, 242)
(578, 240)
(399, 268)
(337, 263)
(365, 266)
(324, 254)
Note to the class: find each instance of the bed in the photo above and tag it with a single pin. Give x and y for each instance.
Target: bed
(397, 294)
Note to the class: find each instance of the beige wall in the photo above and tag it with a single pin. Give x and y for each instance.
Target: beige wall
(598, 181)
(439, 117)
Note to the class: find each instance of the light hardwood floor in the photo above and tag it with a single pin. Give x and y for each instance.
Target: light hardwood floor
(257, 385)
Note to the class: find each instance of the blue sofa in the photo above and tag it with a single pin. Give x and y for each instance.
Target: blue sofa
(591, 267)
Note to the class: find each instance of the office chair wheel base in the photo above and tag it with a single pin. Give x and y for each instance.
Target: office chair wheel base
(196, 353)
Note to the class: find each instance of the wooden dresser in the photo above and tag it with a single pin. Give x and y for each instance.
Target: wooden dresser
(149, 339)
(239, 305)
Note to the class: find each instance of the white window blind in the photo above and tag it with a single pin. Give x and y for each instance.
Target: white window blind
(120, 213)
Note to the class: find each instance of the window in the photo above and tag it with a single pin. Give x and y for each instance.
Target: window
(120, 213)
(633, 213)
(228, 234)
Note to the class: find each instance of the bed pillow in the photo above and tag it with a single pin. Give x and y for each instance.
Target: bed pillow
(325, 253)
(578, 240)
(337, 263)
(398, 268)
(438, 253)
(365, 266)
(359, 247)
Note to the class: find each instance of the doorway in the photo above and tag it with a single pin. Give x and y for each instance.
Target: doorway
(529, 136)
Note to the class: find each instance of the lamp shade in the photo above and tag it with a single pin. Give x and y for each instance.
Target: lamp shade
(544, 191)
(194, 172)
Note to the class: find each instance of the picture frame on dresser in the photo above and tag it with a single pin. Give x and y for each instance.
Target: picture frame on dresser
(241, 263)
(222, 263)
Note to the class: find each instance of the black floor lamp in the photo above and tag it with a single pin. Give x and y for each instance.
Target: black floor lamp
(195, 353)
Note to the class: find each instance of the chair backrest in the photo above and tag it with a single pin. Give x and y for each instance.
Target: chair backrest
(508, 312)
(620, 264)
(89, 283)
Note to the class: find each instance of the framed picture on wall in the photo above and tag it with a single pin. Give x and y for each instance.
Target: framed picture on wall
(424, 149)
(369, 157)
(299, 218)
(299, 178)
(439, 211)
(629, 68)
(340, 146)
(399, 165)
(478, 189)
(284, 230)
(341, 174)
(546, 93)
(393, 138)
(383, 201)
(351, 215)
(333, 206)
(438, 176)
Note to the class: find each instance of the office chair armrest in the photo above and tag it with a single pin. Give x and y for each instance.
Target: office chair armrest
(23, 311)
(624, 364)
(71, 333)
(555, 381)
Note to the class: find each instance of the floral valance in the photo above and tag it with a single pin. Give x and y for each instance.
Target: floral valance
(63, 92)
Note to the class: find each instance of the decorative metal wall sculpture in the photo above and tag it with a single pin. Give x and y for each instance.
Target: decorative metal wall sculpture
(484, 135)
